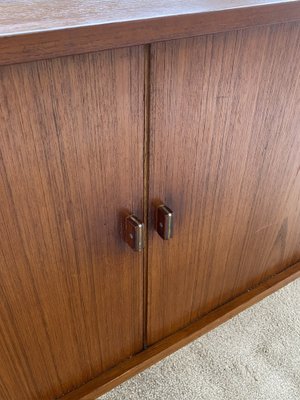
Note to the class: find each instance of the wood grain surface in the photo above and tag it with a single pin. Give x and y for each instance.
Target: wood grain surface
(32, 30)
(109, 379)
(71, 162)
(225, 157)
(19, 16)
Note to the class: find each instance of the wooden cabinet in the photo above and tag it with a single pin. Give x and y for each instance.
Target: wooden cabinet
(224, 156)
(199, 111)
(71, 289)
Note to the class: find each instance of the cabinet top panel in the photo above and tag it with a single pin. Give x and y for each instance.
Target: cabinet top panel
(39, 29)
(23, 16)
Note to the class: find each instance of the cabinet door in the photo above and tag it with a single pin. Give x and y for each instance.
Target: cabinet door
(225, 157)
(71, 162)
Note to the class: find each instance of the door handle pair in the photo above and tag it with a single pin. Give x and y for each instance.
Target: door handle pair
(134, 229)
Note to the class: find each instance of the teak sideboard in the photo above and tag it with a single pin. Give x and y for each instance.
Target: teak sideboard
(150, 181)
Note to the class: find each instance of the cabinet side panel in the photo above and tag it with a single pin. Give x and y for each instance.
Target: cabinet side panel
(225, 157)
(71, 162)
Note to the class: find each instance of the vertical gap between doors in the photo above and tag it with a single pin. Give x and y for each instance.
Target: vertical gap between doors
(147, 50)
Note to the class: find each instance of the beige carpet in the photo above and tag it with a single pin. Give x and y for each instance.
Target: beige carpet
(254, 356)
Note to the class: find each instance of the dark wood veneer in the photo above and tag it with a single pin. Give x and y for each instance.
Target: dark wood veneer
(71, 291)
(225, 157)
(204, 117)
(132, 27)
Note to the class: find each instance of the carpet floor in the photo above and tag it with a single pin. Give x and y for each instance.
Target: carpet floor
(254, 356)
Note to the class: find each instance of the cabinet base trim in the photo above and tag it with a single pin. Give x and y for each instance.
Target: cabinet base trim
(127, 369)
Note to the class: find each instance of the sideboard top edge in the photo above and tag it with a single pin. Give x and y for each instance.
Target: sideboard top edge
(48, 41)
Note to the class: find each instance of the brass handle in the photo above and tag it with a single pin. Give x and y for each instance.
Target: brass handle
(164, 222)
(134, 233)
